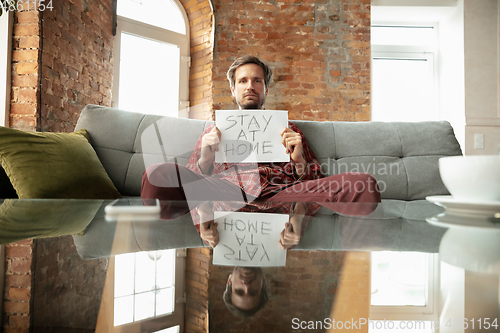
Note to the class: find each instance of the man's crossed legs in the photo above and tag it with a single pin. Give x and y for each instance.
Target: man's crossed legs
(186, 189)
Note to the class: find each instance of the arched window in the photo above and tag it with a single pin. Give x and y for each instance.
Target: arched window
(151, 52)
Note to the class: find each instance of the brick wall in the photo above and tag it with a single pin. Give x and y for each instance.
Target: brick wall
(18, 287)
(201, 21)
(196, 284)
(77, 61)
(25, 91)
(319, 50)
(68, 289)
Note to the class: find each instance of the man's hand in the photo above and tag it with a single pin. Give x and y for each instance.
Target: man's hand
(291, 235)
(292, 141)
(209, 233)
(208, 229)
(209, 145)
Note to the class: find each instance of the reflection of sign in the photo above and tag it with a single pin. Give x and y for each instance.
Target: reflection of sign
(251, 136)
(249, 239)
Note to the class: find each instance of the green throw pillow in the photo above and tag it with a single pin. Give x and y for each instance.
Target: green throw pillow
(54, 165)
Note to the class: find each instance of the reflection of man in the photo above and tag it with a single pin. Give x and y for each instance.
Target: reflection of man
(246, 291)
(300, 216)
(298, 180)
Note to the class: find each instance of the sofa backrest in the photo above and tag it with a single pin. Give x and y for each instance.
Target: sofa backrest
(116, 136)
(403, 157)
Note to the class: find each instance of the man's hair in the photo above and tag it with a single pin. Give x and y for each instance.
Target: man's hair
(248, 59)
(244, 313)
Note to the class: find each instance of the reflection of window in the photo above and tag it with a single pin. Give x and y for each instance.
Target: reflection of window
(399, 279)
(403, 73)
(144, 285)
(148, 291)
(403, 286)
(152, 57)
(169, 330)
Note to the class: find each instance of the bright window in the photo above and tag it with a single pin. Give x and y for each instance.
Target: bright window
(404, 80)
(144, 285)
(147, 290)
(152, 87)
(153, 12)
(399, 279)
(403, 88)
(403, 286)
(151, 70)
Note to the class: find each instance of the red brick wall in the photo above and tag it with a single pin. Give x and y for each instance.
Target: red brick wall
(77, 61)
(68, 289)
(25, 91)
(18, 287)
(319, 50)
(201, 20)
(196, 284)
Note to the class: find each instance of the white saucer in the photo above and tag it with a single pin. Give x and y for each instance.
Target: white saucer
(451, 220)
(463, 207)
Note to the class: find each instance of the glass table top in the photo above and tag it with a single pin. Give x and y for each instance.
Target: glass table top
(276, 267)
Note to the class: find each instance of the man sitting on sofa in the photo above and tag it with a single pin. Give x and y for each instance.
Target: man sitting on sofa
(298, 180)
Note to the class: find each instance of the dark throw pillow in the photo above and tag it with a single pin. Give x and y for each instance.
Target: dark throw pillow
(54, 165)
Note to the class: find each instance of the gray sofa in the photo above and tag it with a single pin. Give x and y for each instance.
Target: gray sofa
(403, 157)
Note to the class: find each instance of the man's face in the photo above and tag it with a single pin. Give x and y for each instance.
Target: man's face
(247, 287)
(249, 89)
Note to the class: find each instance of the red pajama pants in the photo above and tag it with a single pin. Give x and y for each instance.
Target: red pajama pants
(185, 188)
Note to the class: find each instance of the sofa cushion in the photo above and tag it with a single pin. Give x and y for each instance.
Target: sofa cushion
(53, 165)
(128, 142)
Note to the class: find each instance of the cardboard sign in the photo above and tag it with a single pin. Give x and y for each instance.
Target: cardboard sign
(251, 136)
(249, 239)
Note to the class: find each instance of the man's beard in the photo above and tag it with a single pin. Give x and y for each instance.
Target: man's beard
(251, 105)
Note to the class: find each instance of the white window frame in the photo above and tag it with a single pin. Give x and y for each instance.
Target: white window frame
(425, 313)
(156, 323)
(6, 23)
(149, 31)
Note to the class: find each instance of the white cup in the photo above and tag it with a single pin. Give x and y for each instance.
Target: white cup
(472, 178)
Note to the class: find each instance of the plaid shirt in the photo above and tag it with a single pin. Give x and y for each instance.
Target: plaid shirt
(253, 178)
